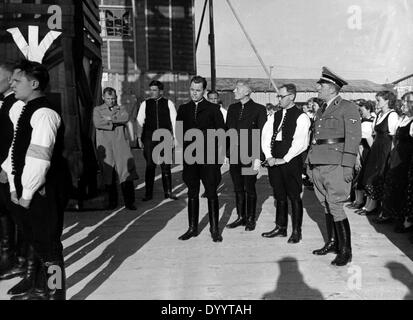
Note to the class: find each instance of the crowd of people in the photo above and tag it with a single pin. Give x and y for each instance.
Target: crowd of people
(359, 150)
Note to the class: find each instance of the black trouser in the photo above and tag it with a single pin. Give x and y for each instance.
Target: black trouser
(243, 183)
(148, 146)
(209, 174)
(286, 180)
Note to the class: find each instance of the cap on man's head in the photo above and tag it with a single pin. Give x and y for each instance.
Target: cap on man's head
(327, 76)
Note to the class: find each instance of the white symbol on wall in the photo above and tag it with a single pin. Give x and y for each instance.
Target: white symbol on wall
(33, 50)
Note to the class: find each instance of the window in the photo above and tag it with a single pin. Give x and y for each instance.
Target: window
(116, 23)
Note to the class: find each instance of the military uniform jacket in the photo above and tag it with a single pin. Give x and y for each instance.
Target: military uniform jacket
(254, 116)
(341, 119)
(208, 116)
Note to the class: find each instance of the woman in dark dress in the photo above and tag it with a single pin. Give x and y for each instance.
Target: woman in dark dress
(385, 126)
(367, 119)
(396, 180)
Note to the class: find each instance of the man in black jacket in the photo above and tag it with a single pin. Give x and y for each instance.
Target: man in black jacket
(155, 113)
(39, 178)
(198, 116)
(245, 115)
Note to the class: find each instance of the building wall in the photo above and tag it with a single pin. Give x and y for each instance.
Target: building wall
(404, 86)
(129, 33)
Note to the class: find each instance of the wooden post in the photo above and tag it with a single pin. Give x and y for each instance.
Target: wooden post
(212, 45)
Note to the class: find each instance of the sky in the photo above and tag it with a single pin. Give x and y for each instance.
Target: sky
(357, 39)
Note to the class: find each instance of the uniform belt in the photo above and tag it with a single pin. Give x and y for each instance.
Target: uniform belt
(329, 141)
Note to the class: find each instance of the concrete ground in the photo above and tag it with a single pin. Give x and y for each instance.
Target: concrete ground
(136, 254)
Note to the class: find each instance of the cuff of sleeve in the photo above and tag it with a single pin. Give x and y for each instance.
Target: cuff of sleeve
(287, 158)
(27, 194)
(349, 160)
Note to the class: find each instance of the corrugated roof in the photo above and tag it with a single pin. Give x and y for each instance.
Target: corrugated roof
(303, 85)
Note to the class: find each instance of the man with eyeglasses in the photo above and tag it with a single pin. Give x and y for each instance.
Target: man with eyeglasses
(284, 138)
(244, 115)
(331, 159)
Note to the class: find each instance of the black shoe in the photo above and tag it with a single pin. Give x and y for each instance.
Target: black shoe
(331, 245)
(277, 232)
(344, 255)
(28, 281)
(42, 289)
(170, 196)
(381, 219)
(241, 211)
(251, 211)
(295, 237)
(193, 217)
(17, 270)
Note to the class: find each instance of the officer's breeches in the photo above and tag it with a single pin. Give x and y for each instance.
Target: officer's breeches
(331, 189)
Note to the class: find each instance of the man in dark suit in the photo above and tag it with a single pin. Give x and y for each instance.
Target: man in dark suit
(245, 115)
(331, 159)
(198, 116)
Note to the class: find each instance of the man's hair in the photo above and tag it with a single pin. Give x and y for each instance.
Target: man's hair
(212, 92)
(368, 105)
(199, 79)
(388, 96)
(110, 91)
(36, 71)
(156, 83)
(245, 84)
(7, 66)
(291, 88)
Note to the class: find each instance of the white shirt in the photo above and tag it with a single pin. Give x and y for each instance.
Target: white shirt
(142, 116)
(45, 123)
(224, 113)
(393, 121)
(301, 138)
(366, 129)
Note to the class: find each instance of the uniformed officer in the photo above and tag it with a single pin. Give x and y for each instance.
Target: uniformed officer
(155, 113)
(244, 115)
(331, 159)
(201, 115)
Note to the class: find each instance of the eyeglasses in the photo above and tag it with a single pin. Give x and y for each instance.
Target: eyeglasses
(282, 97)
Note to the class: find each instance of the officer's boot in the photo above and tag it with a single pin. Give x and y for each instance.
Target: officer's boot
(112, 194)
(39, 291)
(149, 182)
(7, 251)
(331, 244)
(167, 185)
(241, 211)
(213, 213)
(281, 221)
(20, 260)
(128, 192)
(28, 281)
(251, 210)
(344, 255)
(193, 217)
(297, 220)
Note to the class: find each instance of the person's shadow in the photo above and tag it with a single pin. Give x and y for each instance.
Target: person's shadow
(290, 284)
(126, 233)
(399, 272)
